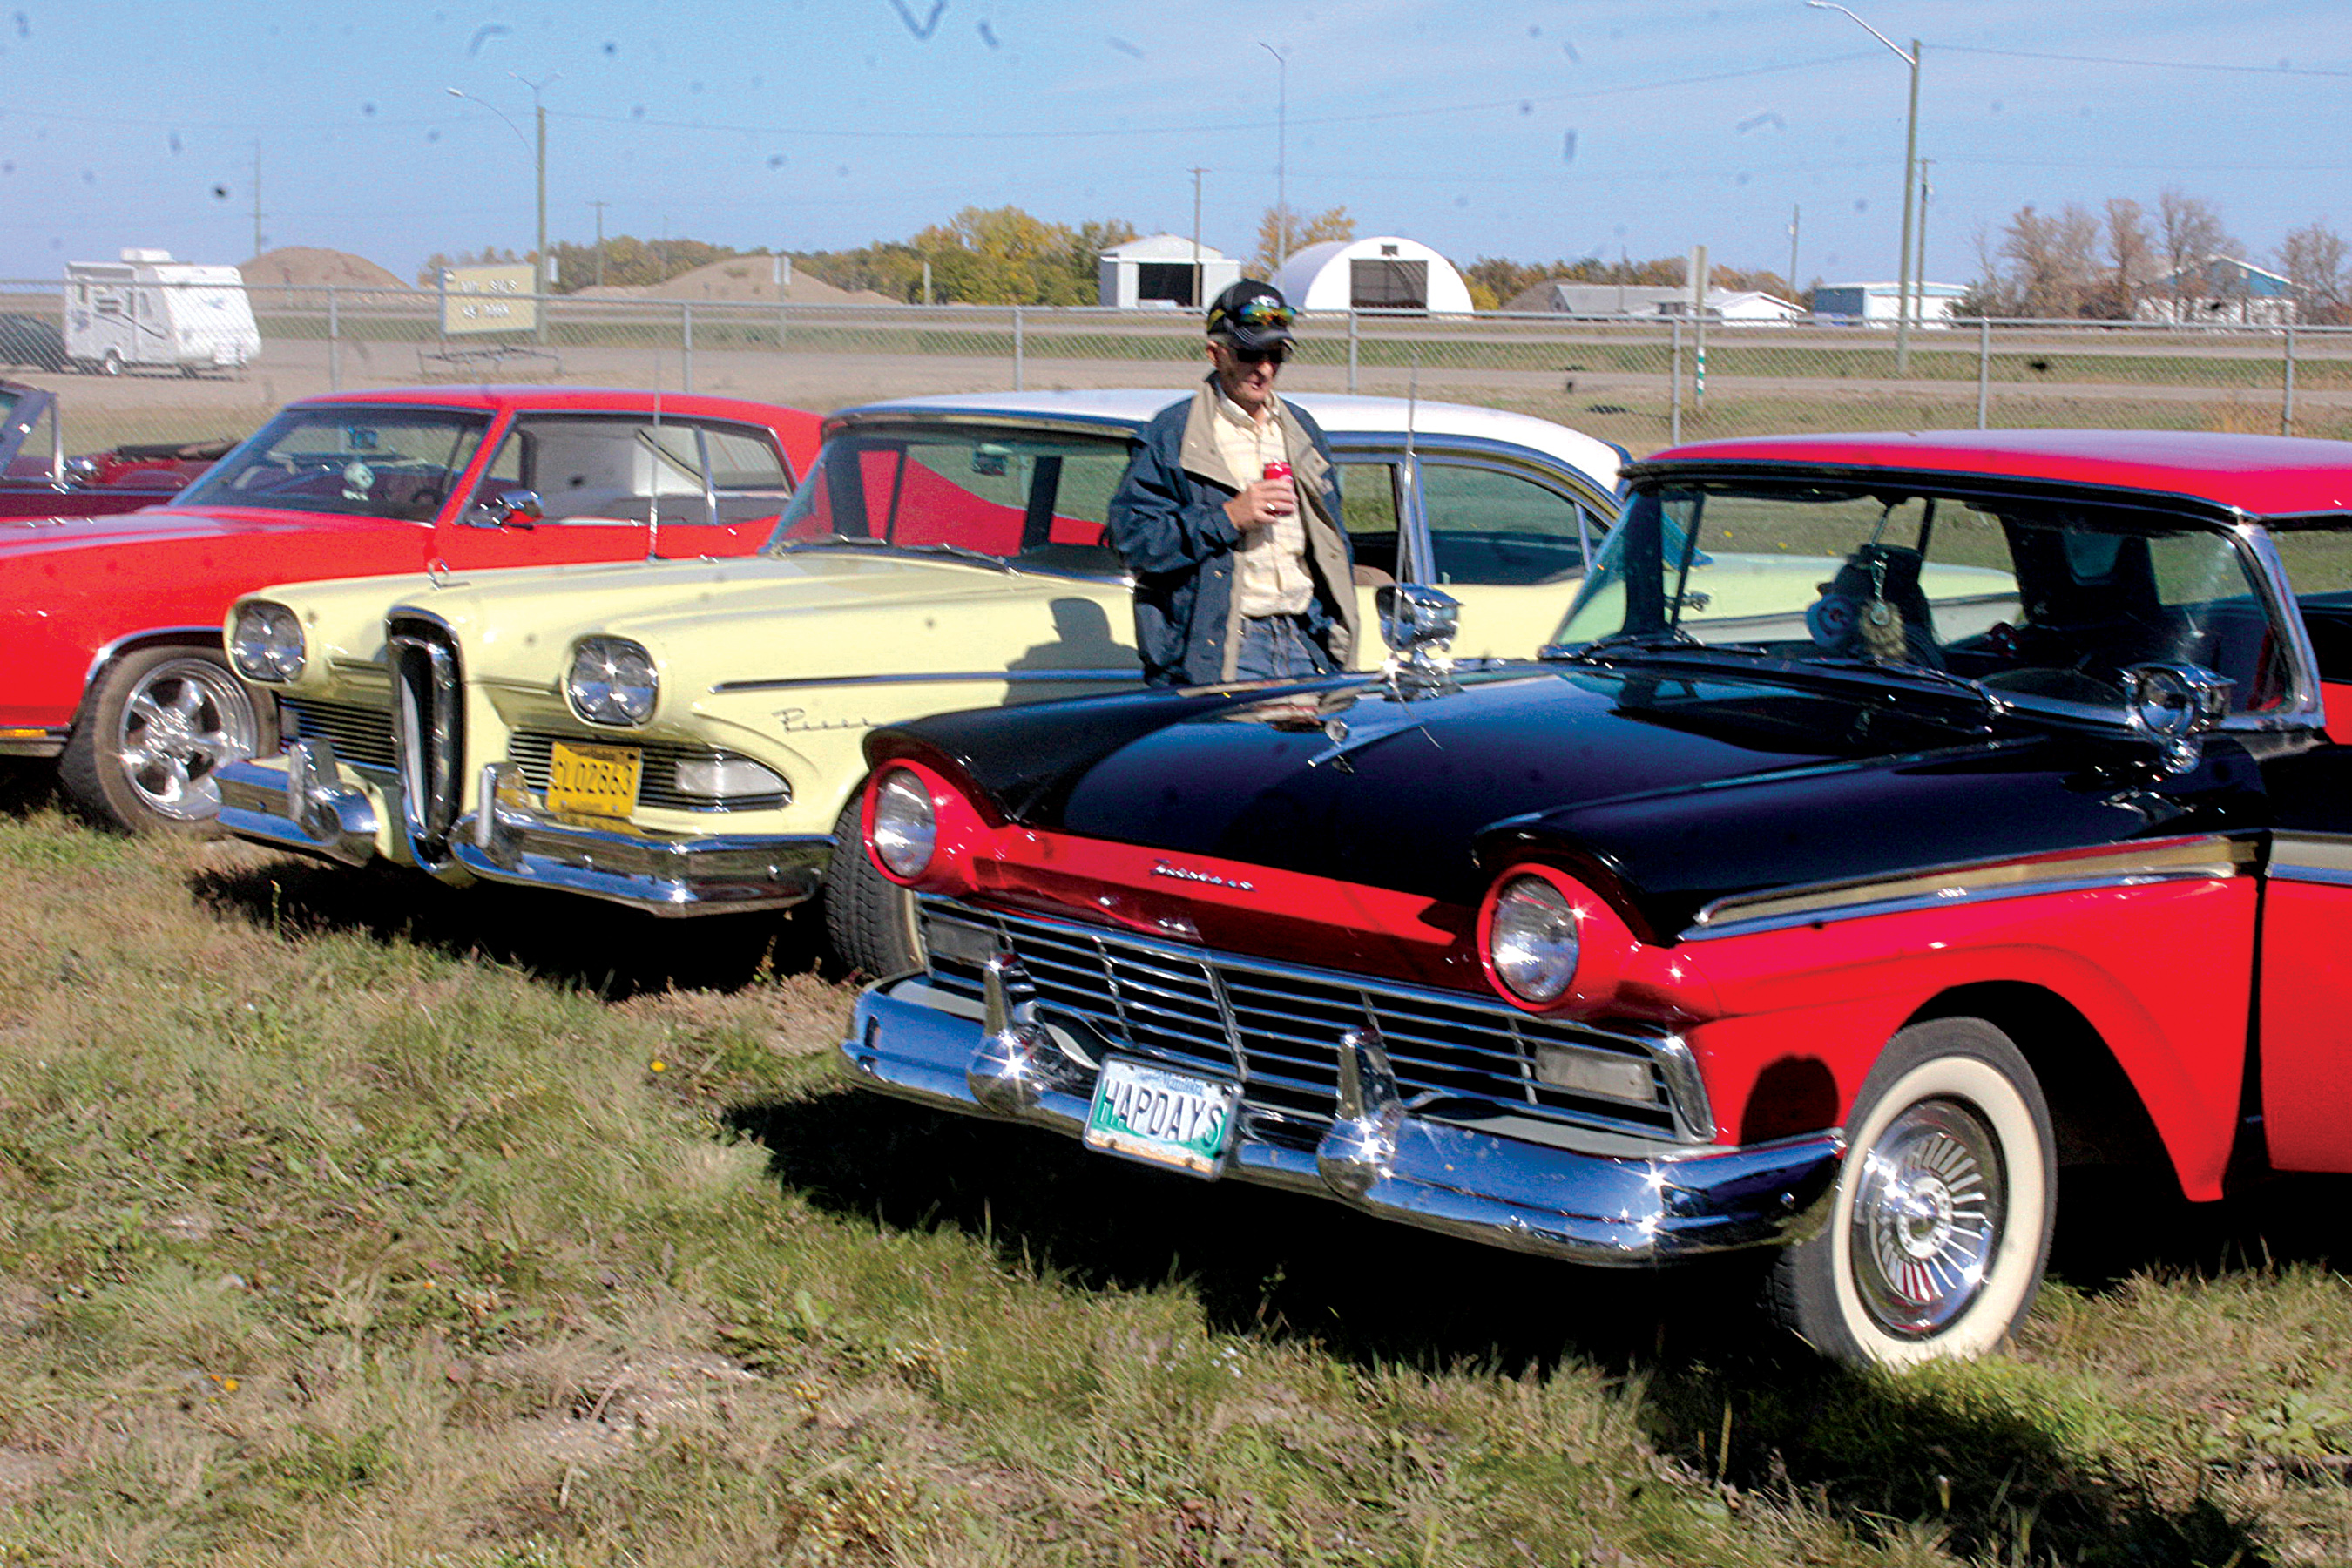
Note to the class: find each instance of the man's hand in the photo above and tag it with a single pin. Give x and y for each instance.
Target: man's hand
(1262, 503)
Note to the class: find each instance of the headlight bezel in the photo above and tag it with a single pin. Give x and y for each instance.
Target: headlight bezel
(266, 643)
(903, 822)
(1532, 938)
(600, 684)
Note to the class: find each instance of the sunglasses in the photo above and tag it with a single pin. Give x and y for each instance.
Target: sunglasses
(1264, 312)
(1279, 354)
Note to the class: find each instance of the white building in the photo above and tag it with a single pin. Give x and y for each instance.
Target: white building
(1160, 273)
(1878, 304)
(1382, 273)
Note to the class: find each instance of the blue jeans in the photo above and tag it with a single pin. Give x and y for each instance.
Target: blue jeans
(1278, 647)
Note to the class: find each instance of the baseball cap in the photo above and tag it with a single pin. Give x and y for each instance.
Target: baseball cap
(1253, 315)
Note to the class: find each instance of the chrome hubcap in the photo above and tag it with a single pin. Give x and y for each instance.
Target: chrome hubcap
(1927, 1218)
(181, 721)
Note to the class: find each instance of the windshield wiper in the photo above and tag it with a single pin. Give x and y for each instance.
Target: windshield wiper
(1994, 704)
(854, 541)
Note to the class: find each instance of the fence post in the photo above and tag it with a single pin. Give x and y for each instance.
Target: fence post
(2286, 403)
(334, 343)
(1017, 349)
(1984, 369)
(685, 345)
(1674, 407)
(1352, 348)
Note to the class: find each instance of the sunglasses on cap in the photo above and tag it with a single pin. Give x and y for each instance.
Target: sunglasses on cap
(1262, 312)
(1277, 352)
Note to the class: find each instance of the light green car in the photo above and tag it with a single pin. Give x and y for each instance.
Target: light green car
(685, 737)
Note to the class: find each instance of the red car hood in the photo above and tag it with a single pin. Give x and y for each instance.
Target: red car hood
(178, 525)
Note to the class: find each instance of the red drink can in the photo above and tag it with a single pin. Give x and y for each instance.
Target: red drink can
(1277, 469)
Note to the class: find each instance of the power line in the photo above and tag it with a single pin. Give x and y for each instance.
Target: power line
(2281, 69)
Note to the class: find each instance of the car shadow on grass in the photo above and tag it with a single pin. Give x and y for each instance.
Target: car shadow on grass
(608, 950)
(1884, 1455)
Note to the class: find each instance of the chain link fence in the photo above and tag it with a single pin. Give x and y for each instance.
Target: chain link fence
(1643, 383)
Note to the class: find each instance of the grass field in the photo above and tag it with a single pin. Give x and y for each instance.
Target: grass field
(350, 1222)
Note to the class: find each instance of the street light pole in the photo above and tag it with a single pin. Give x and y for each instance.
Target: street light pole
(538, 157)
(1281, 139)
(1910, 159)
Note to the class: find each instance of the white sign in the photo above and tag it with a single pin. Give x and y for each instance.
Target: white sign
(489, 299)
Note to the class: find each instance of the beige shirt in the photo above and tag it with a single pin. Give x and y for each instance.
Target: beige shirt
(1270, 568)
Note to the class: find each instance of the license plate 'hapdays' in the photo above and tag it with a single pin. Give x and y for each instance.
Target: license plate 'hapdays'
(1164, 1118)
(593, 780)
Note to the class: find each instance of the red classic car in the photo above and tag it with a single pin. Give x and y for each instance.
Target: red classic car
(1893, 821)
(113, 624)
(37, 480)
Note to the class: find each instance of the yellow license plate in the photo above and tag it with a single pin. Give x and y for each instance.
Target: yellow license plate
(593, 780)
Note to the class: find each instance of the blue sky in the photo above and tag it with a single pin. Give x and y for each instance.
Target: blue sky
(1531, 128)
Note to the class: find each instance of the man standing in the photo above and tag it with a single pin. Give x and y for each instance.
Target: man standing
(1229, 517)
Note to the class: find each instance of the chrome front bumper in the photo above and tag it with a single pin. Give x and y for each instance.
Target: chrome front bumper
(509, 839)
(1611, 1205)
(303, 801)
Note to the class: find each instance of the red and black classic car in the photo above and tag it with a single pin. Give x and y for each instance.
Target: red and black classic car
(112, 625)
(1894, 820)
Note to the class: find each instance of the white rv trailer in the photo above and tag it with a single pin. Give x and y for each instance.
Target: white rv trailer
(149, 311)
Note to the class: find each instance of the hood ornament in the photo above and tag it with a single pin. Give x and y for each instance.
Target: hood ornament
(1418, 623)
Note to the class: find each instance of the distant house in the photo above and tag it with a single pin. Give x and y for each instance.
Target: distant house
(1385, 272)
(1160, 273)
(1650, 300)
(1878, 304)
(2221, 289)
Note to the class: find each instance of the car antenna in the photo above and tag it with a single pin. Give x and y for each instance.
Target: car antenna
(653, 481)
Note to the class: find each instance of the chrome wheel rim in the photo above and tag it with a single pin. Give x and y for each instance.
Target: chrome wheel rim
(1927, 1215)
(180, 723)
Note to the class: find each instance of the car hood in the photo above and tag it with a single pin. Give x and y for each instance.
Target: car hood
(169, 525)
(1670, 792)
(703, 620)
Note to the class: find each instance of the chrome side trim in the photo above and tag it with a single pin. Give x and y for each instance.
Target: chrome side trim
(1008, 677)
(2324, 859)
(2116, 865)
(1599, 1204)
(48, 743)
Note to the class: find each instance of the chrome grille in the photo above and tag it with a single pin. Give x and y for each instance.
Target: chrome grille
(429, 733)
(530, 750)
(1277, 1027)
(361, 735)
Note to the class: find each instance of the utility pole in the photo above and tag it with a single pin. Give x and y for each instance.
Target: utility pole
(1794, 214)
(256, 195)
(1910, 161)
(599, 207)
(1281, 140)
(1919, 268)
(1199, 282)
(539, 275)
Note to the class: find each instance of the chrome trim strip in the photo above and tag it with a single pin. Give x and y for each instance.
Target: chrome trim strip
(2123, 865)
(2324, 859)
(2305, 709)
(662, 874)
(1585, 1206)
(48, 743)
(1008, 677)
(210, 636)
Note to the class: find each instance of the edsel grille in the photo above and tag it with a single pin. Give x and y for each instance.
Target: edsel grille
(530, 750)
(1277, 1029)
(361, 735)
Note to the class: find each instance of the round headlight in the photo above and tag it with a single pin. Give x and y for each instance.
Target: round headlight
(1533, 940)
(612, 681)
(266, 643)
(905, 828)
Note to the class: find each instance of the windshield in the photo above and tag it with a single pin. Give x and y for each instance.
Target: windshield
(1031, 499)
(2043, 602)
(357, 462)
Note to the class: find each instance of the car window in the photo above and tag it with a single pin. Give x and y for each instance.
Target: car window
(1040, 499)
(1367, 498)
(355, 461)
(1492, 528)
(2042, 602)
(603, 467)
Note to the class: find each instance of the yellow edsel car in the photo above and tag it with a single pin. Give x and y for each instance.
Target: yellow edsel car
(684, 737)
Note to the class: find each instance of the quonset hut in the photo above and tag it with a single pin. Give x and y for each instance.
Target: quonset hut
(1382, 273)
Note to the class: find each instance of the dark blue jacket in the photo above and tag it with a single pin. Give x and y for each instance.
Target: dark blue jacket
(1168, 523)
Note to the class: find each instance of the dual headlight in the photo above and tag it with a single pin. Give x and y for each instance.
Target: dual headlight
(1533, 940)
(612, 681)
(265, 642)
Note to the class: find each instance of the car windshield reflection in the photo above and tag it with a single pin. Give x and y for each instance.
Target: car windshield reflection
(397, 463)
(1025, 499)
(2043, 602)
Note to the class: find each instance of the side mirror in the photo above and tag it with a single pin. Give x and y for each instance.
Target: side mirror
(2173, 705)
(1418, 624)
(508, 509)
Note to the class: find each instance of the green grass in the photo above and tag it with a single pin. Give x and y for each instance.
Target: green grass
(348, 1222)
